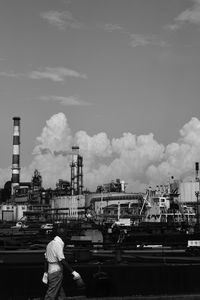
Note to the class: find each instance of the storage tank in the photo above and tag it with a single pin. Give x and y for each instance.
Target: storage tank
(187, 192)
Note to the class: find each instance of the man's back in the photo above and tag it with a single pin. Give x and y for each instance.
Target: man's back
(54, 252)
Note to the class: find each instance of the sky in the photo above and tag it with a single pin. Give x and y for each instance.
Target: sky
(118, 78)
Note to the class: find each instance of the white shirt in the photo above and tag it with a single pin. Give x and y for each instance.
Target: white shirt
(54, 254)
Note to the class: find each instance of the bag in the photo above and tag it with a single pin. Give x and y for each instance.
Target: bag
(45, 278)
(79, 283)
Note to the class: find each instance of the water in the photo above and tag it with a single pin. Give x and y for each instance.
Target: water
(20, 282)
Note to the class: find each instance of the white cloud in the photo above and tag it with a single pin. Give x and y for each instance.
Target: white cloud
(135, 38)
(61, 20)
(11, 74)
(55, 74)
(95, 147)
(112, 27)
(66, 101)
(56, 135)
(180, 157)
(139, 160)
(142, 40)
(172, 27)
(190, 15)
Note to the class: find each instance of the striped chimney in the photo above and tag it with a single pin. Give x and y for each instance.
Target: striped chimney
(16, 154)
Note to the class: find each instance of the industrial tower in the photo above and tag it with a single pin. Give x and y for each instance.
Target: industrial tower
(15, 155)
(76, 172)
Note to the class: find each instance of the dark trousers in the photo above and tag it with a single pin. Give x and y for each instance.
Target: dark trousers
(55, 290)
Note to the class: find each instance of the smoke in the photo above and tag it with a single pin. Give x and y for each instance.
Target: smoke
(138, 160)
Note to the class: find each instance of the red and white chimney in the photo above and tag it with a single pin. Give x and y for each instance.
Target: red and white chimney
(16, 155)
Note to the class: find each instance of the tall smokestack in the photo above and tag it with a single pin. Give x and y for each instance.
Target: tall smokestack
(74, 170)
(80, 175)
(16, 155)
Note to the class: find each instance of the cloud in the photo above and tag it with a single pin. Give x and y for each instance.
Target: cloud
(135, 38)
(127, 157)
(112, 27)
(142, 40)
(55, 136)
(180, 156)
(190, 15)
(61, 20)
(55, 74)
(11, 74)
(139, 160)
(172, 27)
(66, 101)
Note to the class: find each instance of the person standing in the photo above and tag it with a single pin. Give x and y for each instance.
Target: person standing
(55, 262)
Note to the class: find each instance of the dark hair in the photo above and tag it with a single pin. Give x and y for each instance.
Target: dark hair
(57, 232)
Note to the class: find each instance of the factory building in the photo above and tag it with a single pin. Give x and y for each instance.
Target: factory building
(67, 207)
(12, 212)
(69, 202)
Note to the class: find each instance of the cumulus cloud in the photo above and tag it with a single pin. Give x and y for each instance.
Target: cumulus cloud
(61, 20)
(55, 136)
(65, 101)
(95, 149)
(180, 157)
(139, 160)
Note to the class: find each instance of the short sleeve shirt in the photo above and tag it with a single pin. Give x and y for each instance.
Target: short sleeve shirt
(54, 252)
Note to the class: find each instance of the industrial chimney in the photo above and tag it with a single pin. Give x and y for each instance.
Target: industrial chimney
(76, 172)
(16, 155)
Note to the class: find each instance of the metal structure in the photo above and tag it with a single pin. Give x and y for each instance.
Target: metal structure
(15, 155)
(197, 192)
(197, 171)
(76, 172)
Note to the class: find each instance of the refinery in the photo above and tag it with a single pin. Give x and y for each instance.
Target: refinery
(154, 233)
